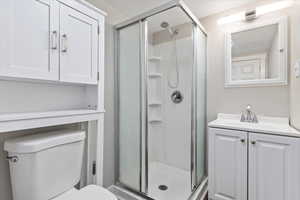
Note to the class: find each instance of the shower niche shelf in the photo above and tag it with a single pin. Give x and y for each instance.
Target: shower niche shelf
(155, 121)
(155, 103)
(155, 75)
(154, 58)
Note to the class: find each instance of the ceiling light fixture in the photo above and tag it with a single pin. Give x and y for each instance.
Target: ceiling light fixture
(261, 10)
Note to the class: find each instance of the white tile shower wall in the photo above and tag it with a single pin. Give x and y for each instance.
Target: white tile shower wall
(171, 145)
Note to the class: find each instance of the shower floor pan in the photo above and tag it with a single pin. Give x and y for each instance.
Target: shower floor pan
(168, 183)
(165, 183)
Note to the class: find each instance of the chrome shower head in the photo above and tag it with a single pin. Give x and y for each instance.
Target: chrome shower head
(165, 25)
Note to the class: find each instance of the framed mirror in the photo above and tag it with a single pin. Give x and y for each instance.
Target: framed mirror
(256, 54)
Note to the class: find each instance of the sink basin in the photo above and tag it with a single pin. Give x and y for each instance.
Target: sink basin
(269, 125)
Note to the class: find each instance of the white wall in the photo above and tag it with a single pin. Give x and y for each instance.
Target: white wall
(109, 121)
(271, 101)
(34, 97)
(273, 65)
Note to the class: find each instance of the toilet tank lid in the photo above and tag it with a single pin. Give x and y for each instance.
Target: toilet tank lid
(38, 142)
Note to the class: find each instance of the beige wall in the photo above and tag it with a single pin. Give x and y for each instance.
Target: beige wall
(109, 121)
(271, 101)
(295, 55)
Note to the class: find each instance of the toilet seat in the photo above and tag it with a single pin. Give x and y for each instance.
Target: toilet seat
(90, 192)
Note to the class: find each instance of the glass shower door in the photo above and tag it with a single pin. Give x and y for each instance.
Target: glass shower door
(129, 106)
(200, 106)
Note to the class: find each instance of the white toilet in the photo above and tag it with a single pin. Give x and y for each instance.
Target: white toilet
(48, 166)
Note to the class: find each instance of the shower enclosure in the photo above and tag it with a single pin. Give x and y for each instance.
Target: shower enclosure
(161, 107)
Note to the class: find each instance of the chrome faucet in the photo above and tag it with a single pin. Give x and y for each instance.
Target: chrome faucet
(249, 116)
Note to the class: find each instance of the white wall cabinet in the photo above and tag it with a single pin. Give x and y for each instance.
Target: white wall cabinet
(78, 53)
(266, 166)
(56, 40)
(26, 30)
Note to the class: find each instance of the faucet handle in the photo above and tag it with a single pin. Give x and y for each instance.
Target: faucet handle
(243, 118)
(248, 115)
(254, 120)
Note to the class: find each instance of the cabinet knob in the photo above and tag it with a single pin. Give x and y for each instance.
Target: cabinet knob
(242, 140)
(253, 142)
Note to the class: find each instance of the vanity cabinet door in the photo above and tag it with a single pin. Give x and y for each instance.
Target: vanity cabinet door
(28, 39)
(273, 167)
(78, 46)
(227, 164)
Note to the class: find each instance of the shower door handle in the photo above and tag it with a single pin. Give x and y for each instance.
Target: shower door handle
(64, 43)
(54, 40)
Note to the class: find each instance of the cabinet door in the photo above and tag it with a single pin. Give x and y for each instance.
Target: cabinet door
(273, 167)
(79, 47)
(227, 164)
(28, 47)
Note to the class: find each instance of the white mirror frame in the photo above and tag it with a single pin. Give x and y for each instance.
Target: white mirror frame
(283, 47)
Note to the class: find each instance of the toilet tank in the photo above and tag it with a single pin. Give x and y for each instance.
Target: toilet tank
(46, 164)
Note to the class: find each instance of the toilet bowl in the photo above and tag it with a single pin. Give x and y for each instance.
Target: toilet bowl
(48, 165)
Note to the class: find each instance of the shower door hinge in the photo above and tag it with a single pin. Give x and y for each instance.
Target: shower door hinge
(98, 30)
(98, 76)
(94, 168)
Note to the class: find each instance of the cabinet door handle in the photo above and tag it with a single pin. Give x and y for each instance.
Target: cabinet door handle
(64, 43)
(253, 142)
(54, 40)
(243, 140)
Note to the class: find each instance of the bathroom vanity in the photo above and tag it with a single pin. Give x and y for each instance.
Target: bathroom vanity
(254, 161)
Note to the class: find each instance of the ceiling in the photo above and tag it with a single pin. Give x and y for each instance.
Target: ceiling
(201, 8)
